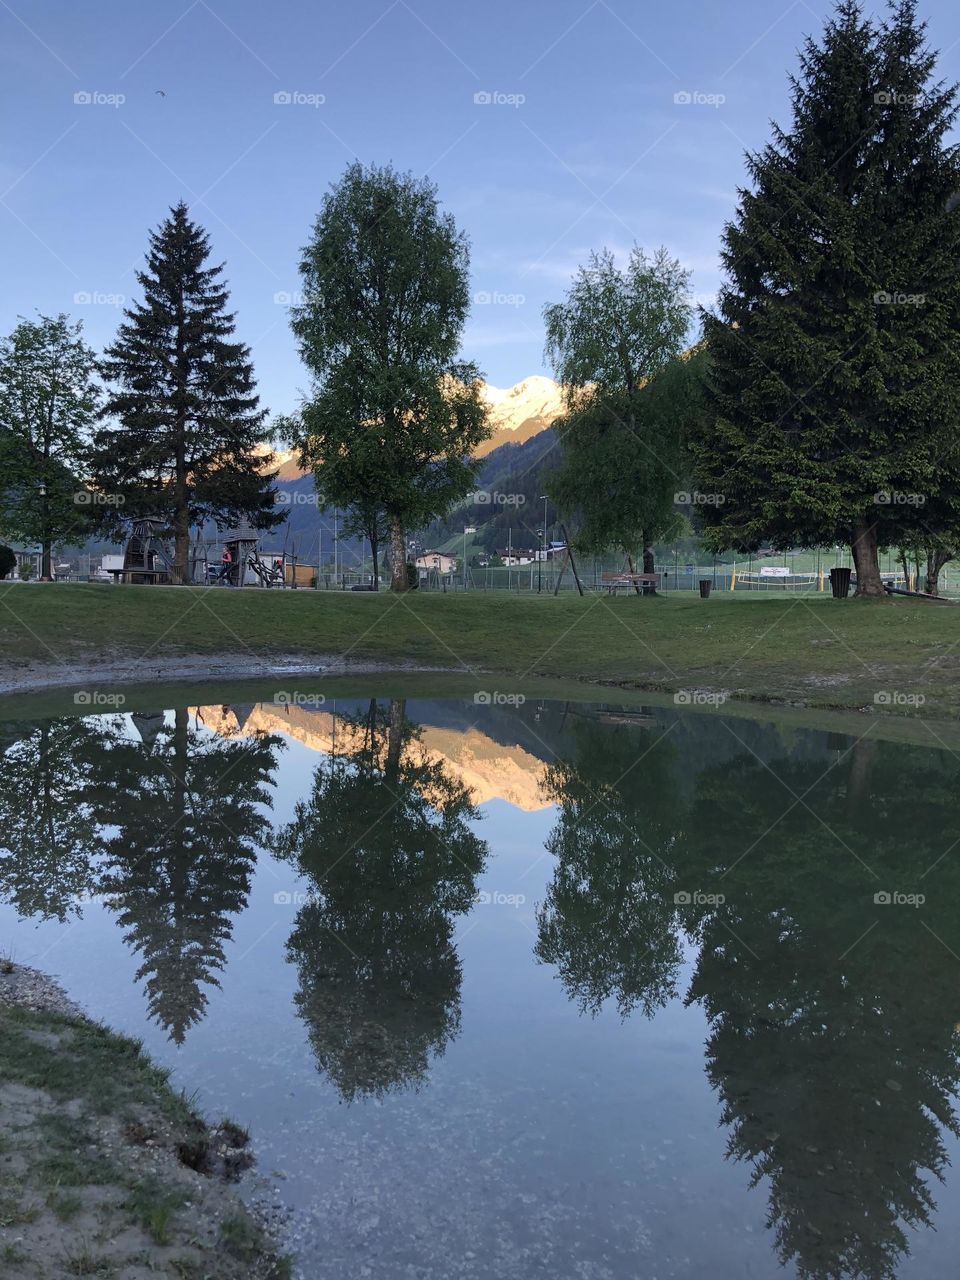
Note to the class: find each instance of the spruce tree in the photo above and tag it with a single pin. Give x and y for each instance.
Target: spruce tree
(835, 390)
(184, 417)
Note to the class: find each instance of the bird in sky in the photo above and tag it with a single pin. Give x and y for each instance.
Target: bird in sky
(161, 92)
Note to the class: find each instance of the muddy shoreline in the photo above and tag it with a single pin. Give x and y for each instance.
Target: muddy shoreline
(105, 1168)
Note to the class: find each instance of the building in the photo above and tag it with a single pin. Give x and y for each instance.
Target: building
(514, 556)
(29, 560)
(435, 562)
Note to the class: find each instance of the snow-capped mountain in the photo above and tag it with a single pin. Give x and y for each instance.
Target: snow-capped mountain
(516, 414)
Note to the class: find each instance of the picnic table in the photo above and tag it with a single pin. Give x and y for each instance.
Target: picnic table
(613, 582)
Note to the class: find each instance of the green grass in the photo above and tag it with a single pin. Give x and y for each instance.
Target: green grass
(810, 651)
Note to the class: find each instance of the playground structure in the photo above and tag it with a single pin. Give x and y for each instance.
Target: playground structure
(233, 559)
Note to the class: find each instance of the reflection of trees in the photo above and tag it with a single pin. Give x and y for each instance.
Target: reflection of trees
(185, 808)
(832, 1042)
(48, 833)
(608, 922)
(384, 840)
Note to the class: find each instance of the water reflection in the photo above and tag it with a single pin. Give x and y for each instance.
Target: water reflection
(48, 824)
(384, 841)
(185, 815)
(832, 1046)
(831, 1041)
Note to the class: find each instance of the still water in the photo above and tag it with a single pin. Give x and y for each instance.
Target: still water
(509, 992)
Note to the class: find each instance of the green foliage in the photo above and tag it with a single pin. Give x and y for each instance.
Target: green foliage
(621, 439)
(836, 365)
(8, 561)
(393, 416)
(184, 422)
(48, 403)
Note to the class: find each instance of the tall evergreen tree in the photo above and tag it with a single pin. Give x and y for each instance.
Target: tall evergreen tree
(394, 416)
(184, 421)
(48, 405)
(835, 356)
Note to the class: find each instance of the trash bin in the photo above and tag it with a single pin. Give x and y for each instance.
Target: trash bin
(840, 582)
(705, 585)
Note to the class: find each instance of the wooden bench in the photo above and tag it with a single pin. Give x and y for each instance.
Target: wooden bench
(612, 582)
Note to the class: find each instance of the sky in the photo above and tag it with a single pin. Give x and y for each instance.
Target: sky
(551, 128)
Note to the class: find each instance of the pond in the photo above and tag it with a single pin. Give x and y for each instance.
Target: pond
(516, 989)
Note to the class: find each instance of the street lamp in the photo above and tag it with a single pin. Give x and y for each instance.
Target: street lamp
(543, 545)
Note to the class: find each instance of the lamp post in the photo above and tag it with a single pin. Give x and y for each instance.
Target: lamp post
(543, 545)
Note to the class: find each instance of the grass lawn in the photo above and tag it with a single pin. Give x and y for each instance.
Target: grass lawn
(811, 651)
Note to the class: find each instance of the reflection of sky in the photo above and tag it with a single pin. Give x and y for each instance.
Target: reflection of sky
(542, 1142)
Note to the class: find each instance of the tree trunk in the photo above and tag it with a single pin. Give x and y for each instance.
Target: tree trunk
(395, 739)
(649, 588)
(181, 544)
(374, 552)
(636, 585)
(398, 556)
(935, 563)
(866, 557)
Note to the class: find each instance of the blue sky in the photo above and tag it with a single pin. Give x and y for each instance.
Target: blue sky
(583, 144)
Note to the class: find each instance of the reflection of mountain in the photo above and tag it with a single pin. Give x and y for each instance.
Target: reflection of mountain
(488, 769)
